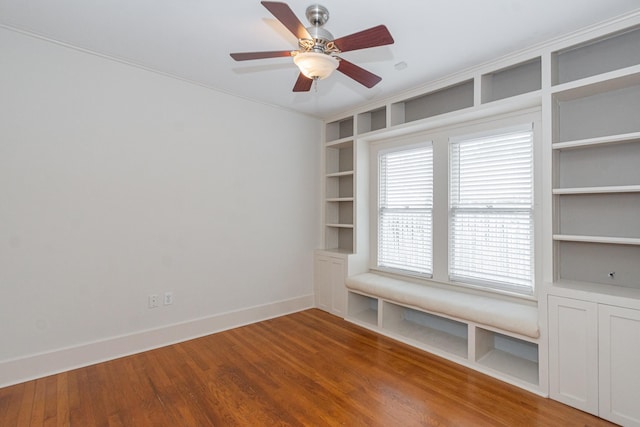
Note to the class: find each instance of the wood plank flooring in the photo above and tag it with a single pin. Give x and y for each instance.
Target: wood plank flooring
(304, 369)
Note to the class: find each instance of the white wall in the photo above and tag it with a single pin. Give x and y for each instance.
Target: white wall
(116, 182)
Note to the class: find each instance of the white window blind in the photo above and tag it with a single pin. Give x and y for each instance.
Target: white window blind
(491, 210)
(405, 206)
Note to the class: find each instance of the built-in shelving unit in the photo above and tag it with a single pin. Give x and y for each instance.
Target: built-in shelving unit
(587, 86)
(596, 225)
(509, 357)
(339, 186)
(596, 153)
(509, 86)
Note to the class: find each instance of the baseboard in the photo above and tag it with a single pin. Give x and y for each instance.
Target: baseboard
(40, 365)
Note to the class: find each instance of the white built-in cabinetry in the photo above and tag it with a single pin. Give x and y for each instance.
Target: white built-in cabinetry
(594, 299)
(573, 349)
(511, 86)
(593, 362)
(330, 270)
(508, 356)
(588, 86)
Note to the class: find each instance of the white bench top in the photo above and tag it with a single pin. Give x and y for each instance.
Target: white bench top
(515, 317)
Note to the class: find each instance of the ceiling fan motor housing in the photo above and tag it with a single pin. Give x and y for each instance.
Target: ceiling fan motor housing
(321, 39)
(317, 15)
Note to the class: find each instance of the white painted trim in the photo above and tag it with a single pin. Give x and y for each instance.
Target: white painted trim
(43, 364)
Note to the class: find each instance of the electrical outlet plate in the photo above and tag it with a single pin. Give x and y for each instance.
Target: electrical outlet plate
(154, 301)
(168, 298)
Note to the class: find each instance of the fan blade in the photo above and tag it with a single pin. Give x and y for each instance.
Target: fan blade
(245, 56)
(303, 84)
(358, 74)
(285, 15)
(375, 36)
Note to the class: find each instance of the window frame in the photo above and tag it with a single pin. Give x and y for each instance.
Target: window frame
(397, 149)
(439, 134)
(491, 211)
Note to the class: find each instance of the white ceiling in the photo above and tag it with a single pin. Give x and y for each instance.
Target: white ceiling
(192, 39)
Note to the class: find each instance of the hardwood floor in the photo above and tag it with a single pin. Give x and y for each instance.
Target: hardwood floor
(304, 369)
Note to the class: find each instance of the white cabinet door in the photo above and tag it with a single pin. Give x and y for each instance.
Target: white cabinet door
(330, 290)
(573, 353)
(619, 337)
(322, 282)
(338, 289)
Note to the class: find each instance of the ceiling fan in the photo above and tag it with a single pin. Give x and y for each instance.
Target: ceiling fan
(317, 56)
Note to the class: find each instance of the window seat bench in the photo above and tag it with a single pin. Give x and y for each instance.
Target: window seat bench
(515, 317)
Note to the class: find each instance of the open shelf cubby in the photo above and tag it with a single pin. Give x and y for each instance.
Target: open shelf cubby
(339, 129)
(339, 157)
(370, 121)
(518, 79)
(339, 213)
(613, 264)
(339, 186)
(339, 238)
(363, 308)
(579, 112)
(427, 329)
(606, 165)
(599, 214)
(608, 53)
(446, 100)
(508, 355)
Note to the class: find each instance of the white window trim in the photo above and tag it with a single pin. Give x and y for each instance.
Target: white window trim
(440, 138)
(529, 211)
(413, 142)
(380, 153)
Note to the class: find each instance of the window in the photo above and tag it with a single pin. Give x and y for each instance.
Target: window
(405, 205)
(491, 210)
(455, 205)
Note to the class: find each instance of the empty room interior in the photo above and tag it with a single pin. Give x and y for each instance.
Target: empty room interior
(265, 213)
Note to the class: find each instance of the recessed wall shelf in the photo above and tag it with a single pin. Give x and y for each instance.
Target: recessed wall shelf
(339, 129)
(599, 56)
(515, 80)
(578, 112)
(446, 100)
(372, 120)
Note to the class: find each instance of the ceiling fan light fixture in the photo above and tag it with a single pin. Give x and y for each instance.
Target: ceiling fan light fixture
(315, 65)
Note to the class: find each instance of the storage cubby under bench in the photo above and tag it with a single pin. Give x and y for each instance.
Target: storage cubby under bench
(496, 336)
